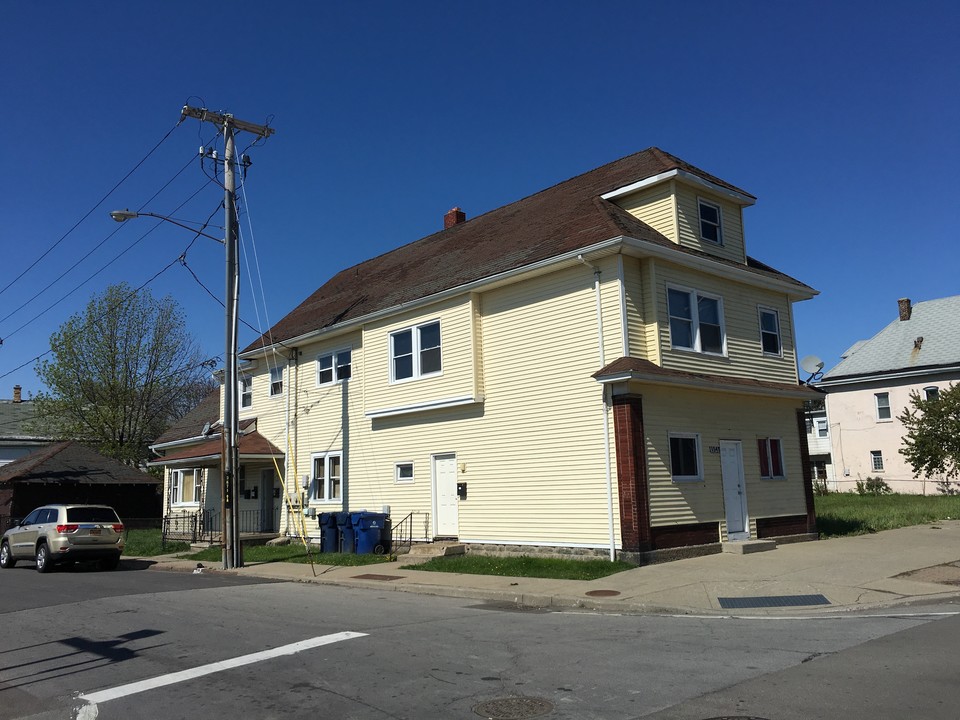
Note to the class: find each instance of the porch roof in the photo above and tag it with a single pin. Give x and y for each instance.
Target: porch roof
(638, 369)
(253, 446)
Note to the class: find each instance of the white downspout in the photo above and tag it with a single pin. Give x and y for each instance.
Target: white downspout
(603, 407)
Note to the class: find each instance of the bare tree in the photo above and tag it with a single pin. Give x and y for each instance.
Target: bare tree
(121, 372)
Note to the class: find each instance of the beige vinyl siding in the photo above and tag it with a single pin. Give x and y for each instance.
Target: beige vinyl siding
(532, 454)
(458, 378)
(688, 224)
(633, 286)
(656, 207)
(719, 416)
(741, 320)
(611, 308)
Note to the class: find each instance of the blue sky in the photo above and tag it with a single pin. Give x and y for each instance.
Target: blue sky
(842, 118)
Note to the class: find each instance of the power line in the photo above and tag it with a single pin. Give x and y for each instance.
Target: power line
(91, 210)
(104, 267)
(93, 249)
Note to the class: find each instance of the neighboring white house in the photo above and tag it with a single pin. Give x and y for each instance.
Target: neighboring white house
(871, 386)
(17, 439)
(818, 443)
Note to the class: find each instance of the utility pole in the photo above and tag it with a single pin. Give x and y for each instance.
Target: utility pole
(230, 486)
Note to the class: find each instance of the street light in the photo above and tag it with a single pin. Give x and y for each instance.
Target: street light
(124, 215)
(232, 548)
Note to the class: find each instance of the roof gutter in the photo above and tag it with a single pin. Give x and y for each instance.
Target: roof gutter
(893, 375)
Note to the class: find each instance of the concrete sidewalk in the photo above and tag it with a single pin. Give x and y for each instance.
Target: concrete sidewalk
(895, 567)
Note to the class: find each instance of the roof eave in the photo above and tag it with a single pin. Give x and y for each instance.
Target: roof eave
(740, 198)
(801, 392)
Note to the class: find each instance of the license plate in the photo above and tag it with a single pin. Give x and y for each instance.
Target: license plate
(94, 531)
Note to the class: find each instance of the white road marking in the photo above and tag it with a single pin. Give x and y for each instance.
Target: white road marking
(171, 678)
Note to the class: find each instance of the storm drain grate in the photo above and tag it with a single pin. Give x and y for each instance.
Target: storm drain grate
(513, 708)
(730, 603)
(374, 576)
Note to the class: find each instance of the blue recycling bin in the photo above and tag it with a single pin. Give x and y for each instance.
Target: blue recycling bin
(373, 532)
(329, 535)
(348, 538)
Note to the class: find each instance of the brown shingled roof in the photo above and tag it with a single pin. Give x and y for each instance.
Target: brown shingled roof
(70, 462)
(191, 424)
(640, 369)
(561, 219)
(250, 444)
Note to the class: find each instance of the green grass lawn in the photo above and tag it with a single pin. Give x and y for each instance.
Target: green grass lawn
(841, 514)
(294, 552)
(524, 566)
(148, 543)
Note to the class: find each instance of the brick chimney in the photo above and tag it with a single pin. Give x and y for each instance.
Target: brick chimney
(17, 397)
(454, 217)
(905, 308)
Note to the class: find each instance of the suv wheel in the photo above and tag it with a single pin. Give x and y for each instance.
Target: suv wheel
(43, 559)
(6, 559)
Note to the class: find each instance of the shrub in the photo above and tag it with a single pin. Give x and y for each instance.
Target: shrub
(873, 486)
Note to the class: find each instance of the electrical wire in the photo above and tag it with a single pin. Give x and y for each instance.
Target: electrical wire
(91, 210)
(96, 247)
(104, 267)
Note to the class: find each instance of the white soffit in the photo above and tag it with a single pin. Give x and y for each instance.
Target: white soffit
(684, 176)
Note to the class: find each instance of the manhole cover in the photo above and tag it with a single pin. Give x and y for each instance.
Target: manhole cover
(603, 593)
(513, 708)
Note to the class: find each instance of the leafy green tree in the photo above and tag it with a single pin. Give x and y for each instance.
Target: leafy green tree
(932, 442)
(120, 372)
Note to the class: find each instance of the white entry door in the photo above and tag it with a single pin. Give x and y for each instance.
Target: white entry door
(445, 501)
(734, 489)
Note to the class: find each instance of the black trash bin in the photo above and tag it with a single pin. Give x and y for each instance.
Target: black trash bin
(329, 535)
(348, 538)
(373, 533)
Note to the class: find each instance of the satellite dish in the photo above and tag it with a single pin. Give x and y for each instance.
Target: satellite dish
(813, 365)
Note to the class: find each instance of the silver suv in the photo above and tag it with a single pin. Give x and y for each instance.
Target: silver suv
(55, 534)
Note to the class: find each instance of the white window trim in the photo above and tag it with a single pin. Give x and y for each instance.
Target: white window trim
(277, 369)
(685, 478)
(314, 500)
(695, 320)
(874, 454)
(767, 472)
(709, 203)
(761, 309)
(333, 358)
(876, 404)
(415, 350)
(248, 393)
(176, 499)
(396, 473)
(817, 424)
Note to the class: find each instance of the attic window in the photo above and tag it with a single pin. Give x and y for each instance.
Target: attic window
(710, 227)
(931, 393)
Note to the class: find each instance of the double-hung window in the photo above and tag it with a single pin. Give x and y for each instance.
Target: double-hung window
(822, 429)
(696, 321)
(710, 225)
(327, 477)
(276, 381)
(771, 457)
(883, 406)
(333, 367)
(415, 352)
(685, 460)
(246, 392)
(186, 486)
(770, 332)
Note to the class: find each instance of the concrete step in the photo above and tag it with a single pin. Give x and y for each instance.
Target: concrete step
(426, 551)
(745, 547)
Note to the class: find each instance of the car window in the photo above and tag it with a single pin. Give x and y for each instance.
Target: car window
(48, 516)
(32, 517)
(92, 514)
